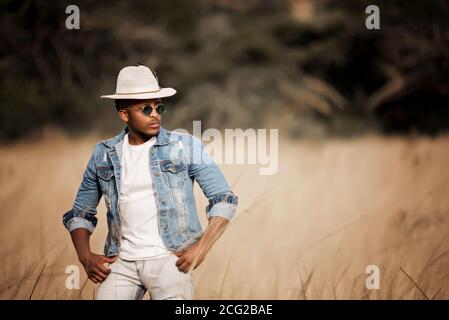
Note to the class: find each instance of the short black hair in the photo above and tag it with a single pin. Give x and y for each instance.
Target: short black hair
(119, 105)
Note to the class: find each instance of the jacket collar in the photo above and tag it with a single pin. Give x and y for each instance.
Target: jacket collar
(162, 138)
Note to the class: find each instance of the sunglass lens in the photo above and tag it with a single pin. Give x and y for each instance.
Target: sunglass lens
(147, 110)
(160, 109)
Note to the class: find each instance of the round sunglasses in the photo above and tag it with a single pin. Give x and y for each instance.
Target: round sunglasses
(148, 109)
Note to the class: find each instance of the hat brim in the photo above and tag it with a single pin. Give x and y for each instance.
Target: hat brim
(163, 93)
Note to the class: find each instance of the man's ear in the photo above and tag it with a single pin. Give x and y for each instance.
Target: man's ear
(123, 114)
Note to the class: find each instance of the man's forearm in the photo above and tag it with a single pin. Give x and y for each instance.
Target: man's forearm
(214, 230)
(80, 239)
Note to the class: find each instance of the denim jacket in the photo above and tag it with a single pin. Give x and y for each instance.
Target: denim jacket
(176, 161)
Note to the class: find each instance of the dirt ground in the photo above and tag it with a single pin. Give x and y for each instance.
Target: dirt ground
(308, 232)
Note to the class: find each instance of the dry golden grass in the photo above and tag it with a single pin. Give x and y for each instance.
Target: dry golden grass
(308, 232)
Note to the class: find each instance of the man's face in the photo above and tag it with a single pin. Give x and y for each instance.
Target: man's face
(138, 121)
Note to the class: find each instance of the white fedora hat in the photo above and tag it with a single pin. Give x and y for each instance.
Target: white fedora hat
(139, 83)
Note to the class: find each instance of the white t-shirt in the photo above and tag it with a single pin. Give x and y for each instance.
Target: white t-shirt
(138, 210)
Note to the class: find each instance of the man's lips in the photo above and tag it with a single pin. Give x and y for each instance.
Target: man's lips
(154, 124)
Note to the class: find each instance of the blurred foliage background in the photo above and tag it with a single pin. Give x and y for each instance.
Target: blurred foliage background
(309, 67)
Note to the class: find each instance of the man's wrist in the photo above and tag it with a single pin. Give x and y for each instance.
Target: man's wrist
(82, 257)
(204, 244)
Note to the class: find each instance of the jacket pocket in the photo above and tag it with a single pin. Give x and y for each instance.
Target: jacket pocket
(173, 166)
(174, 172)
(105, 173)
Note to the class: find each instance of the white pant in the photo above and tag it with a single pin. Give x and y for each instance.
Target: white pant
(129, 280)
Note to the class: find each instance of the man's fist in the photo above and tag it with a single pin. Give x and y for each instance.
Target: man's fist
(94, 266)
(190, 255)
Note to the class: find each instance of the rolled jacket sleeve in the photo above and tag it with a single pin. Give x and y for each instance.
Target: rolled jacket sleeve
(74, 219)
(224, 208)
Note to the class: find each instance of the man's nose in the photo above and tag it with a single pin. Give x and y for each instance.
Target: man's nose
(154, 114)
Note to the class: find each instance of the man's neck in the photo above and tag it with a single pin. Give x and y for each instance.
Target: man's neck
(135, 138)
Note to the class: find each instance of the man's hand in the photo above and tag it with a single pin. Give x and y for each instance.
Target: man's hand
(94, 266)
(92, 263)
(189, 256)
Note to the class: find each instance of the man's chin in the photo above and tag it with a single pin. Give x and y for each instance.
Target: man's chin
(148, 131)
(153, 131)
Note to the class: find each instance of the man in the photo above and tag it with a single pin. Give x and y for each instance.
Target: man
(146, 175)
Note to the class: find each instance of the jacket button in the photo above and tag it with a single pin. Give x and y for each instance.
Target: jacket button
(165, 227)
(163, 201)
